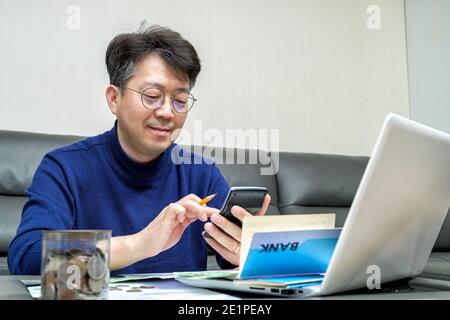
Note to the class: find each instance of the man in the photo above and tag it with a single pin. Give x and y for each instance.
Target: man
(125, 179)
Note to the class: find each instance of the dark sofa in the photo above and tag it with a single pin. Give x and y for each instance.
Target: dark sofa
(303, 184)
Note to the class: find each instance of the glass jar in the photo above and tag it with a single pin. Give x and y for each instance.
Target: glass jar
(75, 264)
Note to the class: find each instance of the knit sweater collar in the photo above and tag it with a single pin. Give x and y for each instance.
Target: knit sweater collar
(133, 172)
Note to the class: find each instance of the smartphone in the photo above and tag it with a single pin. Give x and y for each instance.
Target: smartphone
(249, 198)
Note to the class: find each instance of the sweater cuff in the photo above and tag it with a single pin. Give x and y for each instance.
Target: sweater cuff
(224, 264)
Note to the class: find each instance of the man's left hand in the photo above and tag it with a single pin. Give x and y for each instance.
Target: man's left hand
(227, 240)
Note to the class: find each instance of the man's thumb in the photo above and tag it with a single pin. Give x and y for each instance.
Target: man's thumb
(175, 211)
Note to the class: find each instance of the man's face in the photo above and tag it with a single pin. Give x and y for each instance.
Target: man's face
(144, 134)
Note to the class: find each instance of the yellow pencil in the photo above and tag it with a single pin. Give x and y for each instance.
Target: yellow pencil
(206, 199)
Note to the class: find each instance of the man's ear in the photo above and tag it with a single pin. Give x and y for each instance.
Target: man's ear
(113, 96)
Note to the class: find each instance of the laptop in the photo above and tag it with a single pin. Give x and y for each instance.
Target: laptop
(12, 288)
(394, 219)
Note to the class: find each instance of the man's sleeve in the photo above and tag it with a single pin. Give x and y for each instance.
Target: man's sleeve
(220, 186)
(50, 205)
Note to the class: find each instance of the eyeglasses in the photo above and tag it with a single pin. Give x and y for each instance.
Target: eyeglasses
(153, 98)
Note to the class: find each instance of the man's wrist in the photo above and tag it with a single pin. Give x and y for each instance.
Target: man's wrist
(141, 243)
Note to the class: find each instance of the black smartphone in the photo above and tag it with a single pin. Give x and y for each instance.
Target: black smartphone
(249, 198)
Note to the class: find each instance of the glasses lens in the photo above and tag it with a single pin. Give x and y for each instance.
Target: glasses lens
(152, 98)
(183, 102)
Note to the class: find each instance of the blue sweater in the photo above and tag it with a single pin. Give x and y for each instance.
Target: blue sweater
(93, 184)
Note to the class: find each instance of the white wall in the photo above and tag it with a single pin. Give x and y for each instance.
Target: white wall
(311, 69)
(428, 39)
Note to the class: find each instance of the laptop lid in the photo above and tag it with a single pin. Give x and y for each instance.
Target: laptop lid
(398, 209)
(11, 288)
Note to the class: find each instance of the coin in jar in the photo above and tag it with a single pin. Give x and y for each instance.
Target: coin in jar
(96, 267)
(80, 264)
(67, 294)
(54, 262)
(96, 286)
(69, 276)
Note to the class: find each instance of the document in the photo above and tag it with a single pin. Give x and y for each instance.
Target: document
(280, 223)
(209, 274)
(144, 276)
(288, 251)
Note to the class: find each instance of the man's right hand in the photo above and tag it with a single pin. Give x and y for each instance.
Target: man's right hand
(161, 234)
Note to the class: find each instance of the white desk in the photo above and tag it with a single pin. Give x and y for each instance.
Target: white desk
(171, 289)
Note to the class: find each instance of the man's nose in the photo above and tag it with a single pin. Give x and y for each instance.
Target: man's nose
(165, 110)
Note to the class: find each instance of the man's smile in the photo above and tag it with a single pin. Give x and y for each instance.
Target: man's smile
(159, 131)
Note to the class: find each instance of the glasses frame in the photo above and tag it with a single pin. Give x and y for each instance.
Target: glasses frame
(164, 99)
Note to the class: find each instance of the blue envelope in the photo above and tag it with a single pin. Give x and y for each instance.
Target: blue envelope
(289, 253)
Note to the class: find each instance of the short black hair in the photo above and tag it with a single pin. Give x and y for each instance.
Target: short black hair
(126, 50)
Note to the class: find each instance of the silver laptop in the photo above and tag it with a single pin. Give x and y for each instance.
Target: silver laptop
(12, 288)
(395, 217)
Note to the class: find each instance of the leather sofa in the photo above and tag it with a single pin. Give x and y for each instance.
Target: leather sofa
(303, 184)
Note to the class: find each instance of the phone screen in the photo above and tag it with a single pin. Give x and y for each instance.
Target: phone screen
(249, 198)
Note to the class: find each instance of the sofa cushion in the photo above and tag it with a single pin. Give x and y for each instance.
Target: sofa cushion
(10, 214)
(20, 155)
(3, 266)
(438, 266)
(307, 179)
(244, 168)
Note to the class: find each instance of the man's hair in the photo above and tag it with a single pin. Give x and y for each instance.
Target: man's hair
(127, 50)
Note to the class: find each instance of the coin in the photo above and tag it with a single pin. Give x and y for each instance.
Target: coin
(65, 271)
(81, 265)
(96, 286)
(54, 262)
(48, 292)
(57, 253)
(48, 286)
(114, 289)
(84, 258)
(100, 253)
(50, 278)
(75, 274)
(96, 267)
(67, 294)
(73, 253)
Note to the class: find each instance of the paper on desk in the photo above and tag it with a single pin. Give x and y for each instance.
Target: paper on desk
(35, 291)
(209, 274)
(177, 291)
(135, 277)
(253, 224)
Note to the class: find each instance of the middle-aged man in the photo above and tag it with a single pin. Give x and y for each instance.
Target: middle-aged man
(125, 180)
